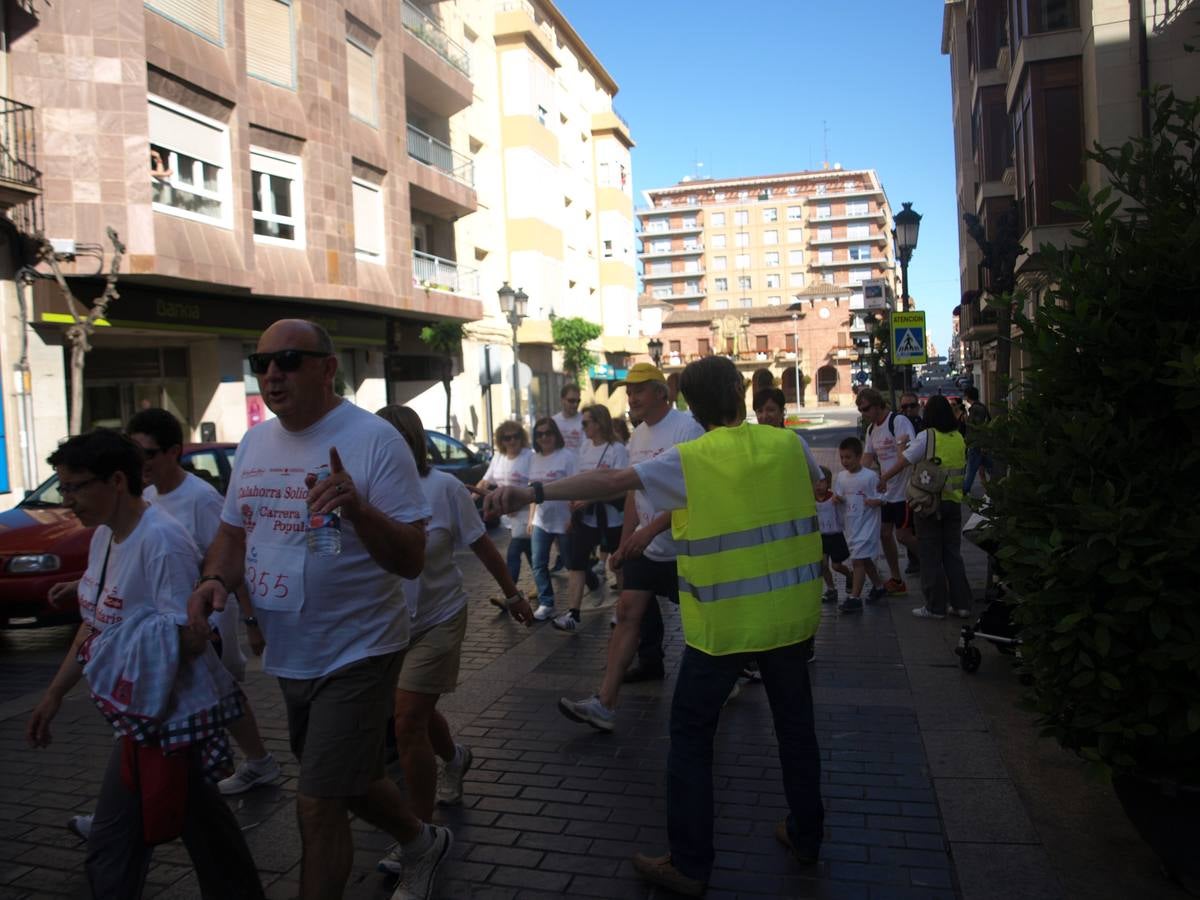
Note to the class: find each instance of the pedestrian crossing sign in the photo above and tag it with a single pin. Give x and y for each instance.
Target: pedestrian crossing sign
(908, 338)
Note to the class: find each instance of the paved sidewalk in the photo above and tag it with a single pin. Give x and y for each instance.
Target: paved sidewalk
(918, 797)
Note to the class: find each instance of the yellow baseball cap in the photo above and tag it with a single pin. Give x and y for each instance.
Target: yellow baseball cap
(644, 372)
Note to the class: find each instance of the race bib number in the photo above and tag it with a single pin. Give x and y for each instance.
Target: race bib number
(275, 576)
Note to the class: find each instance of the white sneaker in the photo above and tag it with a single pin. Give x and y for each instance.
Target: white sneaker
(450, 779)
(963, 613)
(590, 712)
(543, 612)
(80, 826)
(566, 622)
(612, 622)
(393, 862)
(250, 775)
(924, 612)
(417, 881)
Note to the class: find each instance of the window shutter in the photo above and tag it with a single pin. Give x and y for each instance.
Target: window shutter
(201, 16)
(367, 235)
(187, 135)
(360, 68)
(269, 52)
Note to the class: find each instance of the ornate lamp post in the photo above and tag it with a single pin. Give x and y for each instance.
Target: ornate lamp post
(908, 224)
(654, 348)
(514, 304)
(796, 317)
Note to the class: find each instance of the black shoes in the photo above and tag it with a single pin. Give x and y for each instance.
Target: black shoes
(640, 672)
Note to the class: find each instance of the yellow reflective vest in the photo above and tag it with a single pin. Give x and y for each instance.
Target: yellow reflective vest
(749, 546)
(950, 449)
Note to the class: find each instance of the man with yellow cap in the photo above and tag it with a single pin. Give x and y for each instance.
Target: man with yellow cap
(743, 516)
(646, 553)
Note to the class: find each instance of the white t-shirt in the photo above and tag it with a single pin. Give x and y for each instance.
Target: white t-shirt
(572, 430)
(438, 595)
(886, 449)
(861, 521)
(156, 565)
(647, 442)
(603, 456)
(321, 613)
(196, 505)
(505, 472)
(830, 516)
(553, 515)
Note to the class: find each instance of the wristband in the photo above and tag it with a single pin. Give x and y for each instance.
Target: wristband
(512, 601)
(204, 578)
(539, 491)
(249, 620)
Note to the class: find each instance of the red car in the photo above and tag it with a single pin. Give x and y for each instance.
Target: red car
(42, 543)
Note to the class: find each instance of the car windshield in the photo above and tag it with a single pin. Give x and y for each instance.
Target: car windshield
(46, 494)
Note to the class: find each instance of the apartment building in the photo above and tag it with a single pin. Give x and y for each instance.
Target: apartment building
(769, 270)
(1034, 83)
(265, 158)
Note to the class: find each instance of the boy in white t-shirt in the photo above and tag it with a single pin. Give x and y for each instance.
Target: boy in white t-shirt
(831, 521)
(856, 490)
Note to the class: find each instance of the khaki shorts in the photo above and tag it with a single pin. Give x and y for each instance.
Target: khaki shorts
(431, 661)
(337, 724)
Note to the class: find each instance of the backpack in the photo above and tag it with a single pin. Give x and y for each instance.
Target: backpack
(926, 482)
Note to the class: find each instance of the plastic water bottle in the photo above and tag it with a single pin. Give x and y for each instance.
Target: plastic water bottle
(324, 529)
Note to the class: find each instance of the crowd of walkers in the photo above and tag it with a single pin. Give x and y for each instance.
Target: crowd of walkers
(334, 547)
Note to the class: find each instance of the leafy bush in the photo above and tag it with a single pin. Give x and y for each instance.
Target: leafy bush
(572, 336)
(1099, 515)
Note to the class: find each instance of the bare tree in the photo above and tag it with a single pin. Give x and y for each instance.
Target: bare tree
(79, 334)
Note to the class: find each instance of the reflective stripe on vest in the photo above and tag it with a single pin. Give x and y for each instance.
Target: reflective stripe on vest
(751, 537)
(746, 587)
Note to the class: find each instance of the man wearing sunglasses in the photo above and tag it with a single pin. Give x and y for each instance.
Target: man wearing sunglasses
(334, 625)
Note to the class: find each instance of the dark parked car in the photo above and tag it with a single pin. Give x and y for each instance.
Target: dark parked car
(42, 543)
(455, 457)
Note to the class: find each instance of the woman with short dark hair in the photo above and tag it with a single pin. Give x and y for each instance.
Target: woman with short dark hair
(549, 520)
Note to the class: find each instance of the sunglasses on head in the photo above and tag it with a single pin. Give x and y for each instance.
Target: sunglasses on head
(286, 360)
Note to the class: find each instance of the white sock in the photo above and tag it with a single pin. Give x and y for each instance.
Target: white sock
(460, 757)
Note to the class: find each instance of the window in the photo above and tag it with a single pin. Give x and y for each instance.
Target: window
(1048, 138)
(718, 241)
(660, 293)
(824, 233)
(719, 196)
(368, 221)
(741, 217)
(729, 346)
(661, 246)
(824, 211)
(771, 236)
(721, 284)
(773, 281)
(360, 70)
(542, 112)
(720, 304)
(204, 17)
(771, 258)
(694, 305)
(691, 287)
(657, 225)
(990, 34)
(1039, 16)
(795, 213)
(795, 257)
(858, 276)
(827, 278)
(857, 207)
(860, 252)
(745, 283)
(824, 256)
(795, 279)
(189, 160)
(719, 263)
(689, 221)
(270, 42)
(278, 193)
(674, 348)
(770, 214)
(608, 249)
(742, 239)
(742, 261)
(760, 343)
(791, 190)
(746, 302)
(703, 347)
(795, 235)
(693, 200)
(991, 140)
(773, 301)
(858, 232)
(789, 342)
(718, 219)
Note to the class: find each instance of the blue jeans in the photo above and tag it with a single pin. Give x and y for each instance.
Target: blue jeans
(976, 459)
(703, 685)
(542, 541)
(518, 547)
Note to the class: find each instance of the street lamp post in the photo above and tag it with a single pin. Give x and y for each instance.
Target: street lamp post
(908, 224)
(513, 303)
(796, 317)
(654, 348)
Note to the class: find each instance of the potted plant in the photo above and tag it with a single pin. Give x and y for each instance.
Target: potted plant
(1098, 515)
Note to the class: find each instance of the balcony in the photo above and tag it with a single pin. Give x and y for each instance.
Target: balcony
(877, 237)
(443, 184)
(20, 179)
(677, 275)
(686, 250)
(694, 228)
(873, 261)
(875, 216)
(432, 273)
(429, 150)
(437, 71)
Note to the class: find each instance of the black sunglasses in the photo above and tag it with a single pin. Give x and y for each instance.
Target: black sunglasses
(287, 360)
(510, 437)
(543, 434)
(909, 405)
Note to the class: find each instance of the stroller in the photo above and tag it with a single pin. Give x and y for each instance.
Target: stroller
(995, 625)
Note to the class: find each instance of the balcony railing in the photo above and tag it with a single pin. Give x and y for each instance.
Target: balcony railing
(436, 274)
(429, 150)
(431, 33)
(18, 144)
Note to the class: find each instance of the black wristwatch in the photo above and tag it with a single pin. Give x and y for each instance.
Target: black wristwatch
(539, 491)
(249, 620)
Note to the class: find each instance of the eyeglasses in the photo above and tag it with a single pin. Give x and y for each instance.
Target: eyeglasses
(66, 488)
(287, 360)
(867, 408)
(909, 405)
(505, 438)
(542, 434)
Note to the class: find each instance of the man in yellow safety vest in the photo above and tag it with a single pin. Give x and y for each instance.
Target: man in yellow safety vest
(743, 515)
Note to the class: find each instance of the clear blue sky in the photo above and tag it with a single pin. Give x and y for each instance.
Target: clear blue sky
(865, 78)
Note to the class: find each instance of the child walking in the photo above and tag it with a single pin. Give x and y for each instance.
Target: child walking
(834, 552)
(856, 490)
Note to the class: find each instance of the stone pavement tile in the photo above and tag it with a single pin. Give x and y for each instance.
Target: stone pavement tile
(963, 754)
(999, 871)
(983, 810)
